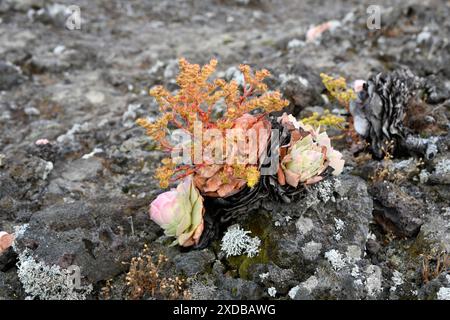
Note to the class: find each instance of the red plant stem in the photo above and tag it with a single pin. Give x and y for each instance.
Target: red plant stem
(246, 93)
(181, 168)
(164, 143)
(179, 124)
(187, 173)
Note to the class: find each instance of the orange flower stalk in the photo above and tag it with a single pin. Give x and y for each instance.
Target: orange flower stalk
(194, 103)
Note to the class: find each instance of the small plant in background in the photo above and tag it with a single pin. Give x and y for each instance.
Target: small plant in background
(145, 278)
(338, 89)
(393, 116)
(327, 119)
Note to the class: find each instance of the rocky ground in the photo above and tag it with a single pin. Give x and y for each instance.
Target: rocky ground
(379, 231)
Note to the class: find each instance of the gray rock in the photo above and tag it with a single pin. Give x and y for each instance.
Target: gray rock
(323, 225)
(436, 229)
(10, 288)
(94, 235)
(10, 76)
(395, 210)
(238, 289)
(194, 262)
(82, 169)
(430, 290)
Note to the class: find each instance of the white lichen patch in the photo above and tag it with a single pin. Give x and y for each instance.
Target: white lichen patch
(293, 292)
(19, 231)
(237, 241)
(311, 250)
(304, 225)
(443, 294)
(353, 254)
(339, 226)
(48, 282)
(325, 190)
(264, 276)
(47, 169)
(310, 283)
(355, 272)
(424, 175)
(202, 291)
(336, 259)
(373, 280)
(397, 279)
(442, 167)
(272, 291)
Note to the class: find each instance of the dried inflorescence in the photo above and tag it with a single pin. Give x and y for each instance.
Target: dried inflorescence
(194, 105)
(432, 267)
(145, 278)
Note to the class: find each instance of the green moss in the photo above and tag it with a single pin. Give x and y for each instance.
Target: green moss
(259, 226)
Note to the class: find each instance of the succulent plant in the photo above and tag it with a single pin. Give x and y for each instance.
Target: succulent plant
(233, 149)
(196, 102)
(180, 213)
(241, 160)
(221, 210)
(304, 163)
(309, 153)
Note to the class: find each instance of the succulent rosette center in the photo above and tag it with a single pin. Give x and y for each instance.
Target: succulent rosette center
(242, 149)
(308, 155)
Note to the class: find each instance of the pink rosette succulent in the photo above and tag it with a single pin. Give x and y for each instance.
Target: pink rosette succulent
(304, 163)
(221, 180)
(6, 241)
(308, 155)
(180, 213)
